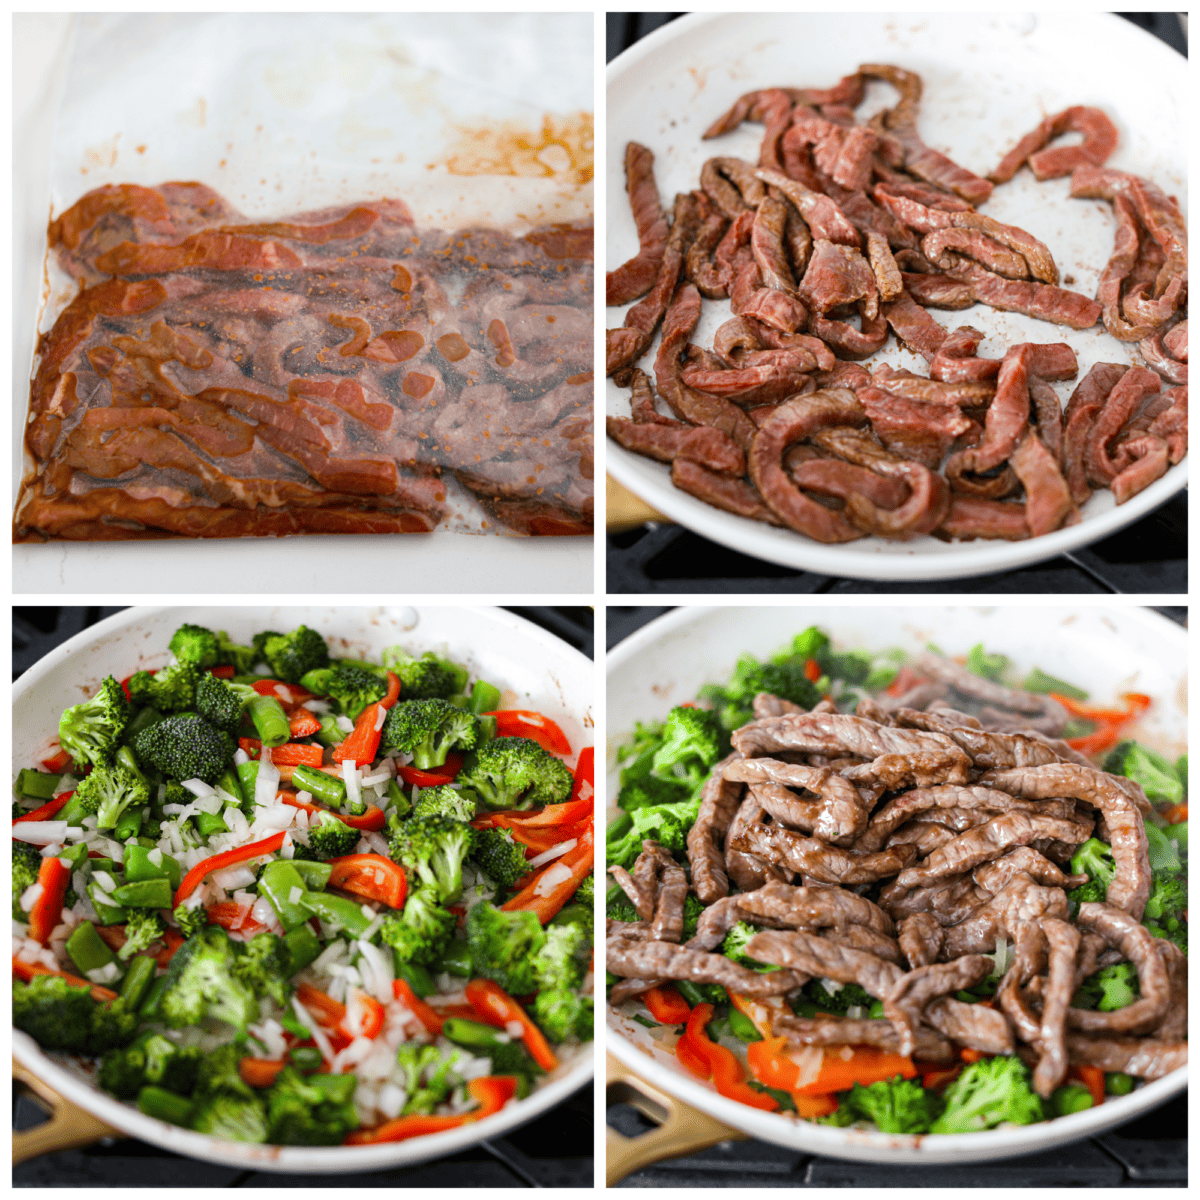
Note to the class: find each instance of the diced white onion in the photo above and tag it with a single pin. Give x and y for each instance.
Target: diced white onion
(551, 878)
(104, 974)
(234, 877)
(30, 896)
(381, 967)
(41, 833)
(155, 857)
(344, 723)
(351, 776)
(295, 894)
(197, 787)
(554, 852)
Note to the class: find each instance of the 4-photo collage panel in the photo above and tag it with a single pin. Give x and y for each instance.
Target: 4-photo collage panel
(324, 683)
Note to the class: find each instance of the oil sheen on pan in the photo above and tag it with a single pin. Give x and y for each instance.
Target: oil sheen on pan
(324, 373)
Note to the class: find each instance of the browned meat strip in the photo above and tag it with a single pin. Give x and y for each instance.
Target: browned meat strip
(732, 495)
(718, 805)
(929, 800)
(887, 274)
(1020, 900)
(767, 244)
(846, 1031)
(840, 816)
(970, 517)
(914, 326)
(949, 902)
(920, 938)
(1176, 342)
(767, 705)
(922, 768)
(964, 394)
(635, 278)
(1051, 1069)
(1048, 500)
(747, 871)
(1085, 404)
(904, 1004)
(938, 291)
(923, 511)
(699, 265)
(1127, 833)
(1157, 356)
(818, 956)
(700, 443)
(750, 106)
(719, 918)
(995, 876)
(731, 186)
(667, 925)
(914, 430)
(971, 1025)
(1143, 1058)
(858, 937)
(1130, 392)
(1040, 300)
(813, 908)
(1099, 141)
(944, 245)
(967, 683)
(1150, 461)
(838, 275)
(665, 960)
(1006, 417)
(818, 861)
(822, 215)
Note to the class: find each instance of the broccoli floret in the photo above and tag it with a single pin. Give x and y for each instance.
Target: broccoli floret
(428, 730)
(60, 1015)
(563, 1013)
(734, 947)
(562, 959)
(331, 837)
(292, 655)
(1165, 914)
(1159, 779)
(262, 965)
(195, 644)
(1110, 988)
(693, 909)
(232, 1118)
(1160, 851)
(515, 772)
(185, 747)
(691, 744)
(170, 690)
(988, 1093)
(585, 894)
(425, 1094)
(667, 824)
(317, 1111)
(619, 907)
(219, 1073)
(243, 659)
(838, 1003)
(426, 678)
(421, 931)
(150, 1060)
(504, 947)
(513, 1059)
(201, 982)
(895, 1105)
(190, 920)
(445, 801)
(351, 688)
(107, 792)
(142, 929)
(500, 858)
(1095, 860)
(652, 792)
(26, 864)
(733, 703)
(435, 848)
(221, 704)
(91, 732)
(989, 666)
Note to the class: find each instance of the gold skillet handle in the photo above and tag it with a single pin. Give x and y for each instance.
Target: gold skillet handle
(68, 1128)
(624, 511)
(681, 1130)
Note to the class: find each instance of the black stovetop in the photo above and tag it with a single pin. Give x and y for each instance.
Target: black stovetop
(554, 1150)
(1149, 1151)
(1149, 556)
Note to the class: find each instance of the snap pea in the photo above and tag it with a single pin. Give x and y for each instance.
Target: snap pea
(74, 856)
(417, 978)
(149, 1008)
(138, 865)
(129, 823)
(87, 948)
(303, 947)
(306, 1058)
(247, 774)
(36, 785)
(228, 781)
(742, 1027)
(1117, 1083)
(330, 733)
(329, 789)
(401, 805)
(108, 912)
(270, 721)
(484, 698)
(166, 1106)
(337, 910)
(138, 979)
(145, 893)
(278, 882)
(472, 1033)
(315, 874)
(455, 960)
(209, 823)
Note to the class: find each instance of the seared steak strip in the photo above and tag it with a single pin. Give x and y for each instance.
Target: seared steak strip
(818, 861)
(665, 960)
(904, 1004)
(813, 908)
(718, 805)
(841, 815)
(846, 1031)
(633, 279)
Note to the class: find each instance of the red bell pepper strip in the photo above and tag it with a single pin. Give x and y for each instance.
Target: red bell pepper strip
(492, 1091)
(372, 820)
(1174, 815)
(812, 670)
(866, 1065)
(225, 672)
(547, 904)
(666, 1005)
(372, 876)
(691, 1059)
(260, 1072)
(538, 841)
(425, 1013)
(583, 784)
(552, 814)
(291, 754)
(303, 724)
(363, 742)
(1092, 1078)
(26, 971)
(491, 1000)
(522, 722)
(444, 774)
(289, 694)
(55, 877)
(726, 1071)
(47, 810)
(219, 862)
(934, 1078)
(1109, 721)
(329, 1011)
(57, 763)
(229, 914)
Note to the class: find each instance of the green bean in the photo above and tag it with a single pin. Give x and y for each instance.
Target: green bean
(417, 978)
(456, 960)
(166, 1106)
(87, 948)
(145, 893)
(1070, 1098)
(278, 882)
(270, 721)
(742, 1027)
(330, 733)
(329, 789)
(36, 785)
(485, 698)
(149, 1008)
(307, 1058)
(303, 947)
(472, 1033)
(138, 979)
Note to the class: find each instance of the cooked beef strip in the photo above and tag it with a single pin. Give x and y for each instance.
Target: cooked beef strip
(767, 705)
(914, 326)
(949, 902)
(938, 291)
(1153, 350)
(700, 267)
(1051, 1069)
(1126, 830)
(700, 443)
(1048, 500)
(816, 859)
(1049, 416)
(749, 107)
(636, 277)
(926, 801)
(840, 815)
(1099, 141)
(731, 495)
(1144, 1058)
(1151, 459)
(1176, 342)
(1140, 947)
(747, 871)
(665, 960)
(920, 937)
(1018, 901)
(921, 433)
(1085, 404)
(667, 925)
(719, 918)
(996, 875)
(1174, 1024)
(718, 806)
(945, 670)
(838, 275)
(846, 1031)
(784, 806)
(1129, 393)
(813, 908)
(859, 937)
(1041, 300)
(922, 768)
(818, 956)
(642, 903)
(905, 1002)
(824, 219)
(932, 391)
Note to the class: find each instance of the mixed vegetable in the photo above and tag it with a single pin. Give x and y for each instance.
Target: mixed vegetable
(725, 1037)
(289, 898)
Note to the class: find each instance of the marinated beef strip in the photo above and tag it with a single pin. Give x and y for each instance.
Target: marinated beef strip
(840, 815)
(700, 443)
(905, 1002)
(929, 1046)
(1144, 1058)
(748, 871)
(633, 279)
(817, 860)
(784, 905)
(719, 803)
(665, 960)
(731, 495)
(667, 924)
(1099, 141)
(216, 378)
